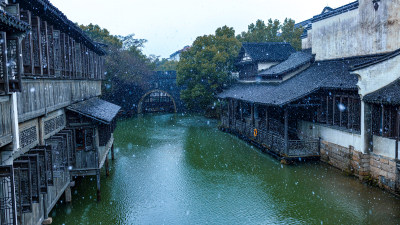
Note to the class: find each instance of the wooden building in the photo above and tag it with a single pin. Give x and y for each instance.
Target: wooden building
(337, 99)
(256, 57)
(53, 126)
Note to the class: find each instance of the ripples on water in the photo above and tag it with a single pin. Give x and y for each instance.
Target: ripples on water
(174, 169)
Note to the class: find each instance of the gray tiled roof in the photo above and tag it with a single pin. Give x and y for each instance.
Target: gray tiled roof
(295, 61)
(388, 95)
(11, 23)
(267, 51)
(330, 75)
(337, 11)
(97, 109)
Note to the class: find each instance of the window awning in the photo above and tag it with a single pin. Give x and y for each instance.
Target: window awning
(96, 109)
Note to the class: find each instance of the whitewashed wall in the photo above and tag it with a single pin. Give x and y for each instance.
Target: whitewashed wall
(362, 31)
(384, 146)
(329, 134)
(265, 65)
(377, 76)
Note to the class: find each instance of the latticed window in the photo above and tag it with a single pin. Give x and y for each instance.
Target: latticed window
(57, 53)
(343, 111)
(27, 44)
(59, 155)
(3, 77)
(49, 165)
(44, 46)
(43, 170)
(69, 136)
(23, 188)
(51, 50)
(12, 58)
(78, 59)
(34, 173)
(385, 120)
(7, 197)
(36, 43)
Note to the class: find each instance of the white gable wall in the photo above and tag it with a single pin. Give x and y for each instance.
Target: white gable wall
(265, 65)
(362, 31)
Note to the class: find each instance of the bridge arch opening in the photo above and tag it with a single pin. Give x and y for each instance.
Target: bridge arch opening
(156, 101)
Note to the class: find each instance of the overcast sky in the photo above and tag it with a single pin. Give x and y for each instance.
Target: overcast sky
(170, 25)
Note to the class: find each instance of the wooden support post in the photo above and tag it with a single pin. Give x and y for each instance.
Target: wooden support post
(327, 110)
(68, 195)
(397, 132)
(266, 119)
(340, 111)
(252, 114)
(286, 115)
(98, 185)
(241, 111)
(229, 113)
(107, 167)
(112, 152)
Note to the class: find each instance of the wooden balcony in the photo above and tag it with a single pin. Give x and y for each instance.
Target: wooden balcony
(41, 96)
(270, 140)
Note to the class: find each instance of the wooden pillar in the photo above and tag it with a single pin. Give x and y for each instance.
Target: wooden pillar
(98, 184)
(340, 112)
(397, 132)
(252, 114)
(327, 110)
(229, 113)
(107, 166)
(266, 119)
(68, 195)
(112, 152)
(286, 115)
(241, 111)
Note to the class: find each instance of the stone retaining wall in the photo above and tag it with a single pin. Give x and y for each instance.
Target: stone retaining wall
(376, 169)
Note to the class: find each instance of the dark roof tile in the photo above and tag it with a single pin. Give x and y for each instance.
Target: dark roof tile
(388, 95)
(330, 74)
(295, 61)
(96, 109)
(267, 51)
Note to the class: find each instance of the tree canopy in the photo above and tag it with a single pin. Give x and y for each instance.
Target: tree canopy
(128, 69)
(165, 64)
(273, 31)
(206, 67)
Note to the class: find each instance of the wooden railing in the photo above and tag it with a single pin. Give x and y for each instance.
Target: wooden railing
(272, 140)
(41, 96)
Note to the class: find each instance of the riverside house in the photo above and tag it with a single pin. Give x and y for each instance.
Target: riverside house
(338, 99)
(53, 126)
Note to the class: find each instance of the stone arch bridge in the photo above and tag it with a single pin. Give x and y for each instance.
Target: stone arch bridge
(163, 94)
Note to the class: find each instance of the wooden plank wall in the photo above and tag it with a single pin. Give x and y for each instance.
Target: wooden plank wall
(42, 96)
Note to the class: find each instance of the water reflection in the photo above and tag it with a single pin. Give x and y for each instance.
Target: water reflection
(174, 169)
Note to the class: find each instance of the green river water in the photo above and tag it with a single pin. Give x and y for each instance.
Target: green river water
(176, 169)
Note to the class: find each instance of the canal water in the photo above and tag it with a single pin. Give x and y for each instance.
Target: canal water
(180, 169)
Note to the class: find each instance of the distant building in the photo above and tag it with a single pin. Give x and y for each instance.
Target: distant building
(255, 57)
(176, 56)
